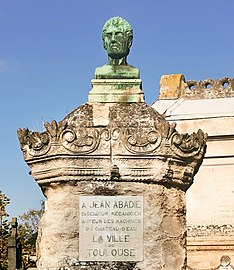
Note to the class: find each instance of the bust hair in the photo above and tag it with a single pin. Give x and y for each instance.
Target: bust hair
(116, 21)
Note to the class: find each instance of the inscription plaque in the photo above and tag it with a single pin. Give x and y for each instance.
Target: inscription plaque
(111, 228)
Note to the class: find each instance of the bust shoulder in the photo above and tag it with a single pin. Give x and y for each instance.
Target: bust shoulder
(117, 72)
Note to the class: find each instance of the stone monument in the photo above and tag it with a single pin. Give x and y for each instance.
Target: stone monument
(114, 173)
(207, 104)
(14, 248)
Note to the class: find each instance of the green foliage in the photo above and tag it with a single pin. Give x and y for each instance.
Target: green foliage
(27, 232)
(4, 230)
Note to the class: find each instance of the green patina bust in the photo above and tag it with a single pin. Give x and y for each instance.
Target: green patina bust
(117, 36)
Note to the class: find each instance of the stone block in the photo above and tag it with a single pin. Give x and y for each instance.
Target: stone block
(116, 90)
(170, 86)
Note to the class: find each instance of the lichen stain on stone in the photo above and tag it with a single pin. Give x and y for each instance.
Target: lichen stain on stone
(134, 115)
(105, 191)
(78, 265)
(103, 188)
(81, 116)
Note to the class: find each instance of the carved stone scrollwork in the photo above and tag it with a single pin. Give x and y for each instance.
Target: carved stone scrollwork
(185, 145)
(115, 133)
(168, 176)
(168, 130)
(135, 131)
(106, 134)
(225, 261)
(83, 140)
(55, 129)
(188, 175)
(37, 143)
(141, 141)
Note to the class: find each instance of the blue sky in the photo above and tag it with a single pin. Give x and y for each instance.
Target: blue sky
(50, 49)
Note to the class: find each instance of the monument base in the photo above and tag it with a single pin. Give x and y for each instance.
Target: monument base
(116, 90)
(88, 228)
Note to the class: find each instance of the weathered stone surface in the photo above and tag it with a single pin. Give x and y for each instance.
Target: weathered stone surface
(171, 85)
(137, 140)
(225, 264)
(163, 242)
(115, 90)
(174, 86)
(136, 153)
(210, 212)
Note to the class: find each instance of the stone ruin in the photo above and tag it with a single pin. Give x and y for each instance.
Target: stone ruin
(114, 173)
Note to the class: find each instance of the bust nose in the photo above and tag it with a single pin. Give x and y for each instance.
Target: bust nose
(113, 38)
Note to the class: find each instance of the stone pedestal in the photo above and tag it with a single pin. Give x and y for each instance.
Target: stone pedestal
(164, 227)
(128, 151)
(116, 90)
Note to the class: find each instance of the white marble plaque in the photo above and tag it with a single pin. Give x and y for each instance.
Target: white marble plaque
(111, 228)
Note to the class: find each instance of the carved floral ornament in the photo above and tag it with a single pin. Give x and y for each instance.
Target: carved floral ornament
(162, 138)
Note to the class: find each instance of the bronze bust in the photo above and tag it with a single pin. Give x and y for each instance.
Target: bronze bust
(117, 36)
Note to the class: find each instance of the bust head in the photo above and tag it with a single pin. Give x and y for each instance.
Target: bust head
(117, 35)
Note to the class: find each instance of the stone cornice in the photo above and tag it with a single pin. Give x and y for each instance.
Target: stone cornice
(136, 140)
(210, 231)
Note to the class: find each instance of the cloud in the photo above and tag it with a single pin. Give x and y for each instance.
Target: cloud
(3, 65)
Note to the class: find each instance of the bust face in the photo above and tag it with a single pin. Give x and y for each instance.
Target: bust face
(116, 41)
